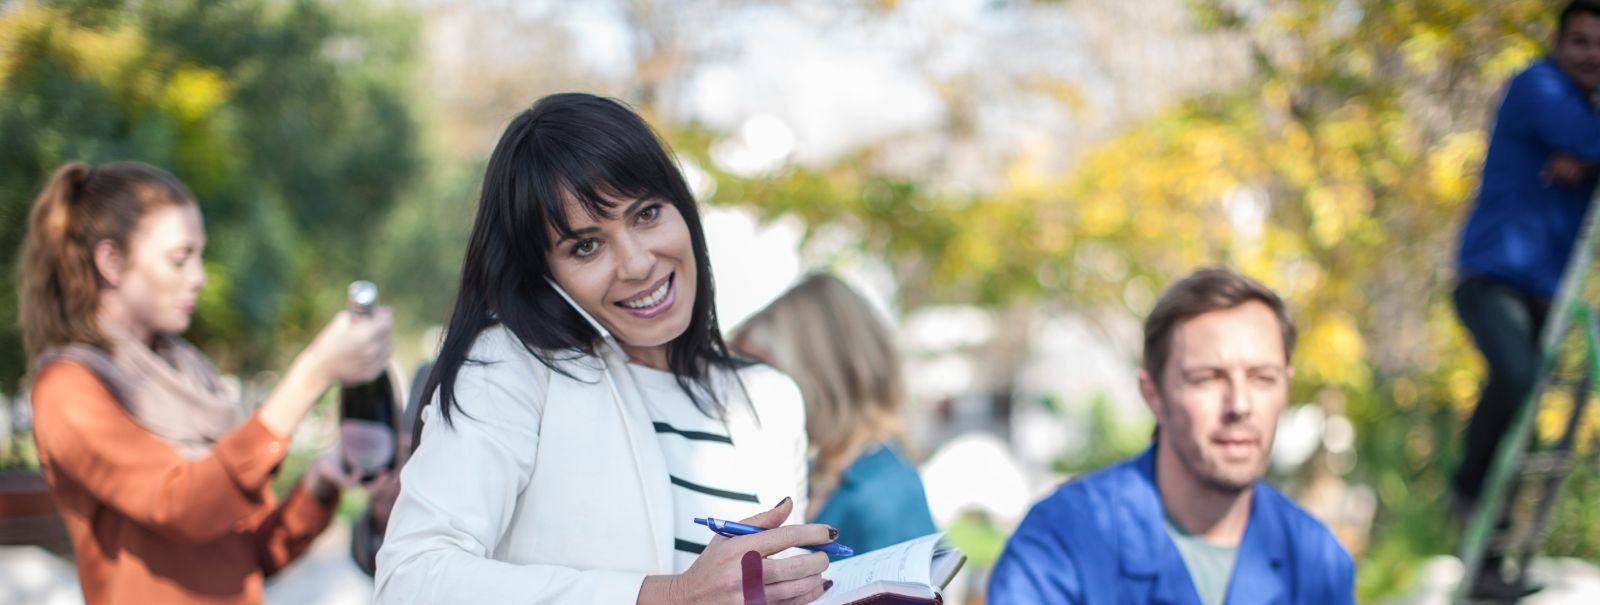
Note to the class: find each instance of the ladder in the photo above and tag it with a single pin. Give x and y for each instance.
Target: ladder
(1516, 463)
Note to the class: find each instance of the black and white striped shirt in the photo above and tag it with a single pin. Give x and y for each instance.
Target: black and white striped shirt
(708, 478)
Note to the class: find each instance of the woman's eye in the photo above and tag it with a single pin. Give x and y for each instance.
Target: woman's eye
(650, 214)
(585, 248)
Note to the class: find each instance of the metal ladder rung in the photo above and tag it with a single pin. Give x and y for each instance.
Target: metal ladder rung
(1544, 464)
(1512, 458)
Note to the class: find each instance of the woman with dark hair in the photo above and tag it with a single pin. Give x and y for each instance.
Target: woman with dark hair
(164, 487)
(584, 408)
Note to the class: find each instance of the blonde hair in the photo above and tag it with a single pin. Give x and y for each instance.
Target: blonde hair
(836, 347)
(58, 286)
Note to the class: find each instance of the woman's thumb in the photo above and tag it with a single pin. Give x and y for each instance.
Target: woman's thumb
(772, 518)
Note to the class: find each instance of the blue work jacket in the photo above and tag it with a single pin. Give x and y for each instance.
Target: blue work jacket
(1102, 539)
(1522, 229)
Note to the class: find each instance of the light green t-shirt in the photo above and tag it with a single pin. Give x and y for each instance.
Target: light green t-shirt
(1210, 566)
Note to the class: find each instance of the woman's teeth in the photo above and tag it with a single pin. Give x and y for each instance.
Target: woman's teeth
(649, 301)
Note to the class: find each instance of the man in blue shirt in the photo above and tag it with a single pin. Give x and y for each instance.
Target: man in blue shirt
(1189, 520)
(1521, 232)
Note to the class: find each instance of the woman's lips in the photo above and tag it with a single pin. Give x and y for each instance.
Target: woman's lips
(667, 300)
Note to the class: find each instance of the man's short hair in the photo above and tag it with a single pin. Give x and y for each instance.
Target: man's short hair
(1202, 292)
(1573, 9)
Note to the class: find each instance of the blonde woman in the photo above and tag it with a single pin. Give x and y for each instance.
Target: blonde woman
(829, 340)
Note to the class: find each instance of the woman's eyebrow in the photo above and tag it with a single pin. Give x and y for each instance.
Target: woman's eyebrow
(641, 199)
(576, 233)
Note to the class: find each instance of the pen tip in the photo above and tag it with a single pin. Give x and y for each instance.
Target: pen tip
(705, 522)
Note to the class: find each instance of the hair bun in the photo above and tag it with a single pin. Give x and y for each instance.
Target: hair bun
(78, 175)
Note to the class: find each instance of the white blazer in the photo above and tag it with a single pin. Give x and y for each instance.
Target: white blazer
(553, 489)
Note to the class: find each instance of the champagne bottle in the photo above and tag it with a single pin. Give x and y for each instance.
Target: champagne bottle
(366, 411)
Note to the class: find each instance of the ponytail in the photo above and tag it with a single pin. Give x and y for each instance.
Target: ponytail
(58, 285)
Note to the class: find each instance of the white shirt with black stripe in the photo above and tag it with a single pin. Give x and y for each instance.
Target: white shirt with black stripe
(709, 478)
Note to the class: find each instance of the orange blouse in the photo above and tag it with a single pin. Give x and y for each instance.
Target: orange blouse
(150, 526)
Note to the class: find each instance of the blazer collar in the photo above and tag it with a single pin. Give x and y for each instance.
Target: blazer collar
(1146, 551)
(646, 451)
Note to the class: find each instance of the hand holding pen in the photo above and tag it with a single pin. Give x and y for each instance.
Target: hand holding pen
(717, 576)
(731, 529)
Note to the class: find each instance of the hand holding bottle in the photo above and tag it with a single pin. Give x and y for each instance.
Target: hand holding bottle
(367, 410)
(353, 349)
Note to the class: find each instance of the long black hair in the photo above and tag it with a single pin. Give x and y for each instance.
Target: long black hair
(589, 149)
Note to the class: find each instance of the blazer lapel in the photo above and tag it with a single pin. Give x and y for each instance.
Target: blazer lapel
(653, 477)
(647, 458)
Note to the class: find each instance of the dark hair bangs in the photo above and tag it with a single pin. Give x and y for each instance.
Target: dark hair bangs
(599, 168)
(569, 149)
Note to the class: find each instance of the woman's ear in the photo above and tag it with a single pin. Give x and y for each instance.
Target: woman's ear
(109, 262)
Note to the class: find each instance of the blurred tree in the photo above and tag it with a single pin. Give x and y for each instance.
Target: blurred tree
(1338, 175)
(289, 120)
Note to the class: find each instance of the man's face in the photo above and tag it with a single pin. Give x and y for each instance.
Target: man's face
(1220, 394)
(1578, 50)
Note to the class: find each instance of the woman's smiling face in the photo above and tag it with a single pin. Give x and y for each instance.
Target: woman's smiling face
(632, 270)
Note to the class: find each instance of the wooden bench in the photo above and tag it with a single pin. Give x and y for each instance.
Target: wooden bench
(28, 514)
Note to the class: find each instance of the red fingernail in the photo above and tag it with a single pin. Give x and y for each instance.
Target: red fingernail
(826, 585)
(782, 502)
(833, 534)
(755, 591)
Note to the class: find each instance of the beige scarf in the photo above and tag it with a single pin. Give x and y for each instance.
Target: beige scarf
(171, 390)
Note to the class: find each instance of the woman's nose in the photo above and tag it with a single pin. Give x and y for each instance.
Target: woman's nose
(636, 261)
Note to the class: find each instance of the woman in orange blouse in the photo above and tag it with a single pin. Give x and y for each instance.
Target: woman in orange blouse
(164, 487)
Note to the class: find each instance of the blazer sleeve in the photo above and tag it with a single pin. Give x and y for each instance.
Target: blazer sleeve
(795, 461)
(460, 493)
(84, 435)
(781, 411)
(799, 465)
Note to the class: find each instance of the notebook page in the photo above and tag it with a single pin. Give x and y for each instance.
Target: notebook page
(904, 562)
(946, 562)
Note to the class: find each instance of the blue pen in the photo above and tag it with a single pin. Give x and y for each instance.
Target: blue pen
(731, 529)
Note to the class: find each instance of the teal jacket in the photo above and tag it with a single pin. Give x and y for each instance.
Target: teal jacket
(879, 502)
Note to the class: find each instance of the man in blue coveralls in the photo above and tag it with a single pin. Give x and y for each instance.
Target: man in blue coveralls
(1537, 182)
(1189, 520)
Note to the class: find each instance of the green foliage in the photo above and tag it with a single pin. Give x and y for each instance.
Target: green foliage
(1338, 174)
(419, 261)
(1107, 438)
(289, 120)
(19, 453)
(977, 538)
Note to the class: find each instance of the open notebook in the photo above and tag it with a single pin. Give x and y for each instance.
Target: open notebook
(914, 571)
